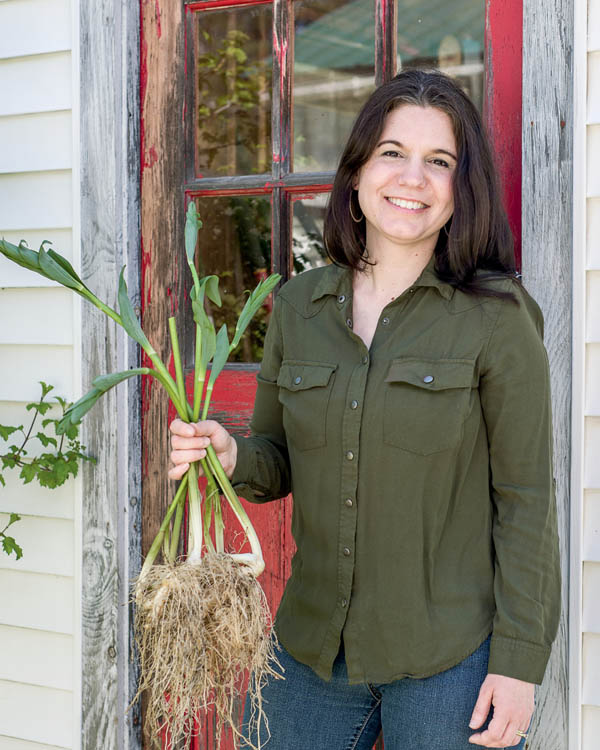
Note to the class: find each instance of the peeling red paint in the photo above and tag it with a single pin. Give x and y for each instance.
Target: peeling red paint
(503, 105)
(157, 16)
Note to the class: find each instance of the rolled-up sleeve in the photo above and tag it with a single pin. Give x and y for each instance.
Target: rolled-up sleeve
(516, 403)
(262, 471)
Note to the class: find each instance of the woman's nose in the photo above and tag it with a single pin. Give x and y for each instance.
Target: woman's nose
(411, 172)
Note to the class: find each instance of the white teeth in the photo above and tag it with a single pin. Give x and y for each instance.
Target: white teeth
(407, 204)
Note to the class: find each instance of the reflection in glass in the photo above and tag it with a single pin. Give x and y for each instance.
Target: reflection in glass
(233, 68)
(307, 231)
(235, 244)
(446, 34)
(334, 62)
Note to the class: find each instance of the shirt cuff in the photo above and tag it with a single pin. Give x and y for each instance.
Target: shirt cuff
(245, 468)
(519, 659)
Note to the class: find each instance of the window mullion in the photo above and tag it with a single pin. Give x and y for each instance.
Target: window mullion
(385, 40)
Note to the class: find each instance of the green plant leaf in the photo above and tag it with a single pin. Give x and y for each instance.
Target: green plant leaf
(64, 263)
(28, 472)
(220, 356)
(253, 303)
(212, 289)
(75, 413)
(46, 440)
(6, 431)
(9, 545)
(41, 406)
(14, 517)
(55, 271)
(128, 317)
(192, 225)
(22, 255)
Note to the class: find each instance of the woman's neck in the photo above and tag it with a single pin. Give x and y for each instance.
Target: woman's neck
(391, 274)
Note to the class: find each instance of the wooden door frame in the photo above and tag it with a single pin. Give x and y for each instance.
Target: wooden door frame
(110, 69)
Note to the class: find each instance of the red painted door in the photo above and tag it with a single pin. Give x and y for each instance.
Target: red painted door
(245, 107)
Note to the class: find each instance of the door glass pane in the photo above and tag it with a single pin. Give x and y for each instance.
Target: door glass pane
(334, 63)
(235, 244)
(233, 95)
(307, 231)
(444, 34)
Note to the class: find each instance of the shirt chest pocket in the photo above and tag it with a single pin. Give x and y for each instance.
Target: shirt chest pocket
(304, 392)
(426, 403)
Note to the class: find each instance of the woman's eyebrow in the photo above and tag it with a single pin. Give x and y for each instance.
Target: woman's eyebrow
(434, 151)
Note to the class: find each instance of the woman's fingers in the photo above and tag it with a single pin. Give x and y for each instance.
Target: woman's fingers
(176, 472)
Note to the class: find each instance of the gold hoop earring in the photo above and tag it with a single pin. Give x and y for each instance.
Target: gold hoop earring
(354, 219)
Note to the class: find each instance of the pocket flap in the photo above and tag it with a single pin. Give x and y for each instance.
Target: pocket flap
(297, 376)
(433, 374)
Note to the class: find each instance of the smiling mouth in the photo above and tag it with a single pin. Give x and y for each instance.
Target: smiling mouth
(411, 205)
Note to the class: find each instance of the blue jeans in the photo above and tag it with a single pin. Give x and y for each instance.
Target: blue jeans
(307, 713)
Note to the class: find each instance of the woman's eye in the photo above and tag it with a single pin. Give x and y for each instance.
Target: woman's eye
(441, 163)
(392, 153)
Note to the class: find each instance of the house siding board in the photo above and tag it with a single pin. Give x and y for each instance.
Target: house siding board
(36, 26)
(36, 714)
(35, 199)
(36, 658)
(36, 142)
(39, 317)
(47, 545)
(591, 669)
(39, 621)
(592, 392)
(39, 83)
(593, 233)
(591, 527)
(591, 727)
(26, 364)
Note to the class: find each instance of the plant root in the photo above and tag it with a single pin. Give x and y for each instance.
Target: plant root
(199, 629)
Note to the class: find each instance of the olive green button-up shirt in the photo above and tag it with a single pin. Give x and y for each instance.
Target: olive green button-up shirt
(421, 471)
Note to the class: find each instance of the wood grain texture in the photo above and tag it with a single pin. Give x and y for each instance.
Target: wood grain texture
(108, 222)
(547, 241)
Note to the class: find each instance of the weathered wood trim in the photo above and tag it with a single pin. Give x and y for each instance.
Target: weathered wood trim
(109, 149)
(547, 214)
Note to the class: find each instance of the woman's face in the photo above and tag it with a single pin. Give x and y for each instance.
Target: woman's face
(405, 187)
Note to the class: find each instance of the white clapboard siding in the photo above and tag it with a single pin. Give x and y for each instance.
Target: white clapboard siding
(36, 316)
(35, 500)
(591, 600)
(593, 306)
(13, 743)
(592, 396)
(591, 526)
(47, 544)
(35, 199)
(36, 714)
(593, 158)
(40, 83)
(23, 366)
(593, 233)
(35, 600)
(592, 451)
(591, 669)
(593, 102)
(12, 275)
(591, 728)
(33, 26)
(33, 143)
(36, 658)
(593, 25)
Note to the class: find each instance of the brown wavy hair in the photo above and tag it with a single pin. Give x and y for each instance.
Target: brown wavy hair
(477, 236)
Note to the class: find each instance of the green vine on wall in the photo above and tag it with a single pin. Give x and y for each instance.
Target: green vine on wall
(50, 468)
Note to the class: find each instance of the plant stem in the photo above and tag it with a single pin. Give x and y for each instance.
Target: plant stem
(195, 516)
(199, 375)
(156, 544)
(177, 360)
(176, 531)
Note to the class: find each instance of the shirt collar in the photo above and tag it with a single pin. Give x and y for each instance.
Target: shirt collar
(337, 280)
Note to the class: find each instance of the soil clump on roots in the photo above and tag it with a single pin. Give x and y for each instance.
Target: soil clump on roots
(199, 629)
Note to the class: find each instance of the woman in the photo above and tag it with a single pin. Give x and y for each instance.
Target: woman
(404, 398)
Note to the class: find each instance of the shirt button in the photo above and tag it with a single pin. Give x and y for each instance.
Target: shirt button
(354, 404)
(349, 502)
(385, 321)
(344, 602)
(342, 298)
(349, 322)
(411, 290)
(365, 360)
(298, 380)
(349, 455)
(428, 379)
(346, 552)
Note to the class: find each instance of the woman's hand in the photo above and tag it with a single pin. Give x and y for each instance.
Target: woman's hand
(513, 702)
(189, 443)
